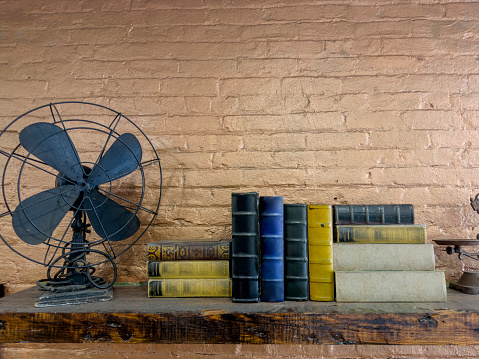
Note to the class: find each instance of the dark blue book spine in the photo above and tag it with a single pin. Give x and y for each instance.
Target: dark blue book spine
(245, 247)
(271, 224)
(374, 214)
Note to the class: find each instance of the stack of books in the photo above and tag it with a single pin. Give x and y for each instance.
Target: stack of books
(199, 268)
(380, 255)
(278, 251)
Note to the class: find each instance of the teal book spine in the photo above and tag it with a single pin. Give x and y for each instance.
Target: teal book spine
(296, 277)
(374, 214)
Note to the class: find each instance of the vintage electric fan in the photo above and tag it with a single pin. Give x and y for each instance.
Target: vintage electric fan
(81, 184)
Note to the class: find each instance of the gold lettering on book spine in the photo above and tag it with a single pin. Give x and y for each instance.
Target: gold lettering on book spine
(223, 251)
(168, 252)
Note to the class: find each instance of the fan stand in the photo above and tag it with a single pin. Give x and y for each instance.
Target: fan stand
(90, 295)
(469, 281)
(77, 286)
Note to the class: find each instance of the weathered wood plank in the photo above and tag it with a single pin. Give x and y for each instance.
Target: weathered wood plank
(133, 318)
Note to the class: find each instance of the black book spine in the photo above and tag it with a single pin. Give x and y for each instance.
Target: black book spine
(245, 256)
(374, 214)
(296, 252)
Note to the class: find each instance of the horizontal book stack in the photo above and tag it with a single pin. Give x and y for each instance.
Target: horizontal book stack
(380, 255)
(189, 269)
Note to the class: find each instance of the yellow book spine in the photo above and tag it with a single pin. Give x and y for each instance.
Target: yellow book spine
(188, 269)
(320, 245)
(412, 233)
(185, 288)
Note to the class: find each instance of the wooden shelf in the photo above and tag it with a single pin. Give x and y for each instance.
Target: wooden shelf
(131, 317)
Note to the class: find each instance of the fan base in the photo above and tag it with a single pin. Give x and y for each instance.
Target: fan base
(468, 283)
(90, 295)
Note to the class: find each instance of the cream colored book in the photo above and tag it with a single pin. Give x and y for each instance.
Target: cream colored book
(367, 256)
(391, 286)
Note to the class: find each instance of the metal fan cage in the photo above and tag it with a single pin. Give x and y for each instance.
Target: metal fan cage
(21, 169)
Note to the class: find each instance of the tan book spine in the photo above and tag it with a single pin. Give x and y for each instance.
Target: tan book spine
(367, 256)
(391, 286)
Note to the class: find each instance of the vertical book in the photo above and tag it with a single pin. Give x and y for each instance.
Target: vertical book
(320, 243)
(271, 226)
(245, 247)
(296, 252)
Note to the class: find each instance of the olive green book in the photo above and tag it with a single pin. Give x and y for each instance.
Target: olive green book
(188, 269)
(186, 288)
(407, 233)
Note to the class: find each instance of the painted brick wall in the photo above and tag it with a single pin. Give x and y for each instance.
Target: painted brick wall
(323, 102)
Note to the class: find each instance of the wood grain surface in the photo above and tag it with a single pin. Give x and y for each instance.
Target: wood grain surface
(131, 317)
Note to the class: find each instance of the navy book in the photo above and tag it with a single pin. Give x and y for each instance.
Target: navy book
(271, 223)
(296, 271)
(245, 247)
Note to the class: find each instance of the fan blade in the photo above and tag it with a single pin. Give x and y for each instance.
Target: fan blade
(122, 158)
(52, 145)
(36, 217)
(108, 218)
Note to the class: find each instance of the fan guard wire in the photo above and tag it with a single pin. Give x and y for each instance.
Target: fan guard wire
(53, 243)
